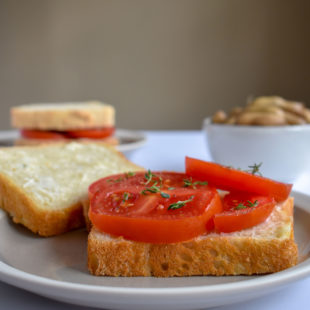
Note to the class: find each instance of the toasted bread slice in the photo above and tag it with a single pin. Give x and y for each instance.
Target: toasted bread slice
(43, 187)
(265, 248)
(63, 117)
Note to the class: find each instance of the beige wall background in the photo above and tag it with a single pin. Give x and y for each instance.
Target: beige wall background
(164, 64)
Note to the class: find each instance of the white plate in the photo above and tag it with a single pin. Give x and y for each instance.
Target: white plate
(129, 140)
(56, 268)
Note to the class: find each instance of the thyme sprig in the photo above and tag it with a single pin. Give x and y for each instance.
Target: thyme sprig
(152, 189)
(180, 204)
(155, 189)
(127, 175)
(120, 179)
(149, 176)
(252, 204)
(249, 204)
(125, 196)
(164, 195)
(240, 206)
(189, 182)
(254, 169)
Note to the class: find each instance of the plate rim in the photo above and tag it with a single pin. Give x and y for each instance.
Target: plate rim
(139, 135)
(10, 274)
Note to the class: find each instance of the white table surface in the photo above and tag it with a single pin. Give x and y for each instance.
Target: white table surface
(165, 150)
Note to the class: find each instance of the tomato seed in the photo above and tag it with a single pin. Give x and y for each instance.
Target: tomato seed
(161, 207)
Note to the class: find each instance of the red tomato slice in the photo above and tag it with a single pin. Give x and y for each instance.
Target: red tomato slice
(243, 211)
(113, 181)
(97, 133)
(235, 180)
(179, 212)
(42, 134)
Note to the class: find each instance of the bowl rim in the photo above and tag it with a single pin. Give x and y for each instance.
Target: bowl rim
(207, 122)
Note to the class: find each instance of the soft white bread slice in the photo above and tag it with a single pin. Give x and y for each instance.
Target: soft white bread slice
(63, 116)
(43, 187)
(268, 247)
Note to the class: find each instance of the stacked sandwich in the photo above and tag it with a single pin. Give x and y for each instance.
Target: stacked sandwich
(66, 122)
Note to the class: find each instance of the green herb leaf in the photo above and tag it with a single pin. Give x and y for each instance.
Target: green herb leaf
(153, 189)
(249, 204)
(200, 183)
(164, 195)
(240, 206)
(148, 176)
(125, 196)
(254, 169)
(129, 174)
(189, 182)
(171, 188)
(180, 204)
(120, 179)
(252, 204)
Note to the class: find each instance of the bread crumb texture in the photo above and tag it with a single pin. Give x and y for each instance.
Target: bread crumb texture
(63, 116)
(259, 250)
(43, 187)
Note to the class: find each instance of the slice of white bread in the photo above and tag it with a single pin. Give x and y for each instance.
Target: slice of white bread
(63, 116)
(265, 248)
(43, 187)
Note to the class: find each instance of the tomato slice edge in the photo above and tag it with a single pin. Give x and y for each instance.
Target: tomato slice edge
(96, 133)
(231, 219)
(153, 230)
(42, 134)
(230, 179)
(173, 228)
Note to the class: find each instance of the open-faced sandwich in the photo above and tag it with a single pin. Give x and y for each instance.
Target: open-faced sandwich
(178, 224)
(148, 223)
(64, 122)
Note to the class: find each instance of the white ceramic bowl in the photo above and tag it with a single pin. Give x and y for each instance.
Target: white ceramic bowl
(284, 151)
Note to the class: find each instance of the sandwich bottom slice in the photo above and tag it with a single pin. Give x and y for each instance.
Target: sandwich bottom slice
(37, 142)
(266, 248)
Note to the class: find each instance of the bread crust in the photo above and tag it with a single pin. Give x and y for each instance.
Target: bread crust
(25, 211)
(214, 254)
(85, 205)
(98, 115)
(43, 221)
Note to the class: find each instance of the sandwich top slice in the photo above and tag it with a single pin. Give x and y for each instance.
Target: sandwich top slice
(43, 187)
(63, 122)
(175, 224)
